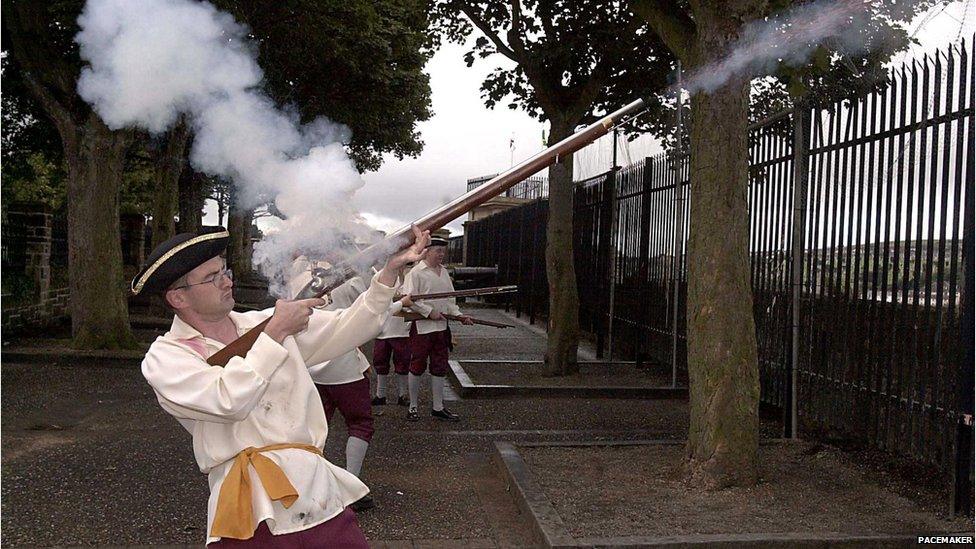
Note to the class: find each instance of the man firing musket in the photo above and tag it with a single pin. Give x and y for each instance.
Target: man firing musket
(238, 382)
(257, 421)
(430, 339)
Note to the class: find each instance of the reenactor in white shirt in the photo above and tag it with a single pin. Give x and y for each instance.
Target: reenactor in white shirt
(430, 338)
(257, 423)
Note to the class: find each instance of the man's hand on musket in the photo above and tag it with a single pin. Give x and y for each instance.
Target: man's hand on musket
(406, 301)
(291, 317)
(416, 252)
(466, 320)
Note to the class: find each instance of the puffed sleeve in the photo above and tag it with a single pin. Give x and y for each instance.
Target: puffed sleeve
(189, 388)
(334, 333)
(411, 286)
(452, 307)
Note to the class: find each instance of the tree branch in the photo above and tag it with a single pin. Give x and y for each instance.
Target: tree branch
(591, 89)
(546, 91)
(45, 77)
(675, 28)
(486, 30)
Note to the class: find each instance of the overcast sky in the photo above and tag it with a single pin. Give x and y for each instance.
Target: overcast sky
(464, 139)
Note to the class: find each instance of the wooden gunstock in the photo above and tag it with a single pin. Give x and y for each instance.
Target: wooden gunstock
(403, 237)
(238, 347)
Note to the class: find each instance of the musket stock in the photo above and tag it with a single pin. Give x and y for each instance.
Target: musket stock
(324, 282)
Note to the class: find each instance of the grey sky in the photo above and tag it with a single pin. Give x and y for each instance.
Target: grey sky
(464, 139)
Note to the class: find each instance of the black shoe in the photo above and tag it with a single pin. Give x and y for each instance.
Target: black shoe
(445, 415)
(378, 401)
(413, 415)
(403, 401)
(364, 503)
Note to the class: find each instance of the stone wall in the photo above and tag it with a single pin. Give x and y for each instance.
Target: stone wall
(49, 309)
(44, 305)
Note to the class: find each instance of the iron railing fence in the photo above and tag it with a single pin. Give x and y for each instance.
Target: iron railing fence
(885, 206)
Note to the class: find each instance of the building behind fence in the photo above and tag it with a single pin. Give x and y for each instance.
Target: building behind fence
(884, 197)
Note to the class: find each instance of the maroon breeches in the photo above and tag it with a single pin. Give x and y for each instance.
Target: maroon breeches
(352, 401)
(340, 531)
(432, 347)
(397, 348)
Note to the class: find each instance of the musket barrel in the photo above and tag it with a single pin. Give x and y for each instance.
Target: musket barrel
(437, 218)
(323, 283)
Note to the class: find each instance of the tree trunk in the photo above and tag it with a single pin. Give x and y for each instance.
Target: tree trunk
(238, 249)
(221, 207)
(723, 374)
(563, 333)
(169, 165)
(191, 200)
(99, 310)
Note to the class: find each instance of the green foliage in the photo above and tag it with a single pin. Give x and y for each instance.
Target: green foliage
(358, 62)
(38, 181)
(138, 182)
(25, 128)
(575, 59)
(848, 66)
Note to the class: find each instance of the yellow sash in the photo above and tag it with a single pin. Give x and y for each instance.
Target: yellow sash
(234, 517)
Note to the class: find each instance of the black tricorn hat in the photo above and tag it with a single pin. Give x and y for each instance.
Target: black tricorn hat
(178, 256)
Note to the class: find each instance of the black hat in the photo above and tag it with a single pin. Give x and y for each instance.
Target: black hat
(440, 237)
(178, 256)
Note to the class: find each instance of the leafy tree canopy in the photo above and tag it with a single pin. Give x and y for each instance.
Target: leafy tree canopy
(358, 62)
(578, 58)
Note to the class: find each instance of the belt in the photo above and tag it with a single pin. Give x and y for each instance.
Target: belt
(234, 517)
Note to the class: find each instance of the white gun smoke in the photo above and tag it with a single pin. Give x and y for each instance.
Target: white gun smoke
(152, 61)
(789, 37)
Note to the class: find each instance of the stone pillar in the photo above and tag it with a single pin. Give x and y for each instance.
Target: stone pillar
(36, 222)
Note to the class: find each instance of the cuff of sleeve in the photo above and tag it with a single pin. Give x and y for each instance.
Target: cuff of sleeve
(266, 355)
(379, 296)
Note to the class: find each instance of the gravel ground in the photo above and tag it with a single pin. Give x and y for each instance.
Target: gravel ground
(804, 487)
(590, 375)
(93, 455)
(90, 458)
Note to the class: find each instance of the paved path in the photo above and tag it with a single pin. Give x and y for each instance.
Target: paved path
(89, 458)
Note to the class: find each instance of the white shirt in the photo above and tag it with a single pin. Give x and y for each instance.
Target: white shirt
(350, 366)
(423, 280)
(395, 326)
(267, 397)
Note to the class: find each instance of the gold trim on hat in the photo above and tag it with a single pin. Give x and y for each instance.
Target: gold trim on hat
(138, 284)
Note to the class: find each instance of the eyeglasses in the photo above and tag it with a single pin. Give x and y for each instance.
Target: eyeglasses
(215, 279)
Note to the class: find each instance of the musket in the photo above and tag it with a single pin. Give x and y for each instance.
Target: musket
(324, 281)
(410, 317)
(493, 290)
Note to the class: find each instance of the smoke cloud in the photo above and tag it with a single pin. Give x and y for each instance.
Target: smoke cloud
(152, 61)
(788, 37)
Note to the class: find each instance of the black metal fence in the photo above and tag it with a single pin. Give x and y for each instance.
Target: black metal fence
(532, 188)
(455, 250)
(514, 240)
(885, 194)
